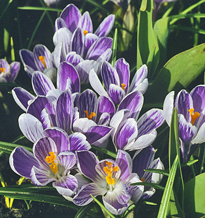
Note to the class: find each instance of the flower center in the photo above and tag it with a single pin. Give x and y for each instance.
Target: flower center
(123, 86)
(89, 116)
(2, 69)
(109, 170)
(85, 32)
(194, 115)
(42, 59)
(50, 160)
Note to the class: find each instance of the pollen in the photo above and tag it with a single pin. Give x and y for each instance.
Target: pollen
(194, 115)
(85, 32)
(90, 116)
(109, 170)
(2, 69)
(42, 59)
(123, 86)
(143, 180)
(50, 160)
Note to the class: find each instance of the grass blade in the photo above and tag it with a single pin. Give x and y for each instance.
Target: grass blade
(114, 47)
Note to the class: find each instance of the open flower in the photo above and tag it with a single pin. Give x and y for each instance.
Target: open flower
(142, 160)
(8, 73)
(116, 80)
(51, 161)
(191, 116)
(110, 178)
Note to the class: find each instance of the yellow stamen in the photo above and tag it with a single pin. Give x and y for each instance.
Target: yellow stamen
(2, 69)
(194, 115)
(42, 59)
(50, 160)
(109, 170)
(89, 116)
(123, 86)
(85, 32)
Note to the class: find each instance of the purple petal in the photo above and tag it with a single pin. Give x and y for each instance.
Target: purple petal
(14, 70)
(60, 138)
(27, 59)
(126, 133)
(67, 159)
(152, 119)
(132, 102)
(41, 51)
(116, 93)
(74, 58)
(106, 26)
(22, 161)
(78, 142)
(63, 36)
(41, 83)
(198, 96)
(109, 75)
(66, 186)
(59, 23)
(77, 41)
(98, 48)
(89, 41)
(83, 196)
(105, 56)
(4, 64)
(123, 70)
(85, 22)
(64, 111)
(66, 71)
(86, 162)
(71, 15)
(104, 119)
(31, 127)
(183, 103)
(124, 162)
(41, 150)
(105, 106)
(96, 135)
(22, 97)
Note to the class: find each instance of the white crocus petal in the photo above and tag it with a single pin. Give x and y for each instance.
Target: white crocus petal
(156, 177)
(142, 87)
(200, 136)
(168, 107)
(83, 124)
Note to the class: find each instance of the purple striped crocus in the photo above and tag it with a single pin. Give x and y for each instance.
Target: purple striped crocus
(191, 116)
(110, 179)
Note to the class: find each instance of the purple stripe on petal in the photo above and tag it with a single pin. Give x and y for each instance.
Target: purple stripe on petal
(198, 96)
(104, 119)
(78, 142)
(183, 103)
(22, 97)
(132, 102)
(152, 119)
(66, 71)
(74, 58)
(59, 23)
(85, 22)
(22, 161)
(90, 38)
(105, 106)
(77, 41)
(106, 26)
(116, 93)
(71, 15)
(41, 83)
(67, 159)
(98, 48)
(14, 70)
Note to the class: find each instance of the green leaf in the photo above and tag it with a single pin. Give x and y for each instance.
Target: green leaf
(189, 163)
(157, 171)
(102, 206)
(143, 5)
(83, 211)
(46, 195)
(194, 196)
(114, 47)
(105, 151)
(9, 147)
(164, 206)
(177, 73)
(39, 8)
(154, 185)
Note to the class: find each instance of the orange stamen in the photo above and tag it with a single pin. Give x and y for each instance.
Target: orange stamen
(109, 170)
(42, 59)
(194, 115)
(85, 32)
(50, 160)
(143, 180)
(89, 116)
(123, 86)
(2, 69)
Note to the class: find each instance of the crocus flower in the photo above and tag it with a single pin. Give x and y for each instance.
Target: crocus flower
(110, 178)
(38, 60)
(8, 73)
(191, 116)
(142, 160)
(76, 43)
(116, 80)
(131, 134)
(51, 161)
